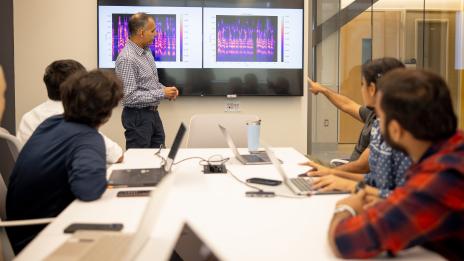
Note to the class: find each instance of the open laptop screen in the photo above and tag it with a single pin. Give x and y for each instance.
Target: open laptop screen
(177, 141)
(189, 246)
(175, 146)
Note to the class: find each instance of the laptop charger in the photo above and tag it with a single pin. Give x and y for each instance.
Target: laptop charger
(214, 169)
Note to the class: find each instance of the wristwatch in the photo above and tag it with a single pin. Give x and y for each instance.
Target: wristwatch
(343, 208)
(360, 185)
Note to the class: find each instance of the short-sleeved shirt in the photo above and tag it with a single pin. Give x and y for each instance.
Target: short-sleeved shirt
(367, 116)
(61, 161)
(387, 166)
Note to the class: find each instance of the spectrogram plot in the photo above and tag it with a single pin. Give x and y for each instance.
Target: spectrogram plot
(246, 38)
(164, 45)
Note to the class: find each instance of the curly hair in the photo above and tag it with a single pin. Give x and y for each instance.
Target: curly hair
(89, 97)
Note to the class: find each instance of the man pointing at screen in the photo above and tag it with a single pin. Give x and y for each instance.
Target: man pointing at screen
(143, 92)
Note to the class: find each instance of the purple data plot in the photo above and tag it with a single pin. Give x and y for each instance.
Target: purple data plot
(163, 47)
(246, 38)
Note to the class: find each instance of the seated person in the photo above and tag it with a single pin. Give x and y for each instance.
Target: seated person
(56, 73)
(64, 159)
(387, 170)
(371, 72)
(416, 116)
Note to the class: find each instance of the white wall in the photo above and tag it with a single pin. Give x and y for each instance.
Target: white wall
(47, 30)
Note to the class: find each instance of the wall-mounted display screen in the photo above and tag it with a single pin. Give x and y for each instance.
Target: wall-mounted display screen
(214, 47)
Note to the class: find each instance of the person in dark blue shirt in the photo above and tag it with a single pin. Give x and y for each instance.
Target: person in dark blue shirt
(65, 157)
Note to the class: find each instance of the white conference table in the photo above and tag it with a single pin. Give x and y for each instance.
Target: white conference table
(235, 227)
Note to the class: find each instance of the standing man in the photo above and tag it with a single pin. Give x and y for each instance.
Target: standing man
(143, 92)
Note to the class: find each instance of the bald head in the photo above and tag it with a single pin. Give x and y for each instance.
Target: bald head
(138, 22)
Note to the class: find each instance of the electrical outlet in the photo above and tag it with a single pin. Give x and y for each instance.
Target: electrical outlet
(232, 106)
(326, 123)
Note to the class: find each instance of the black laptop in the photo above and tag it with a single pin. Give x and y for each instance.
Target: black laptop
(151, 176)
(190, 246)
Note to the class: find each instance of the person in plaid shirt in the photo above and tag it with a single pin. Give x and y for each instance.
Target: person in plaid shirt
(143, 92)
(416, 116)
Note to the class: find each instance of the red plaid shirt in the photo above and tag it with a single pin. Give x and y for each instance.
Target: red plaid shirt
(428, 210)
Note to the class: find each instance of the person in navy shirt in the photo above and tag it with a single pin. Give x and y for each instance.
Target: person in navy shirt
(64, 159)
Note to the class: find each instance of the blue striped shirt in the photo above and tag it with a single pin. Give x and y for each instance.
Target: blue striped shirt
(136, 68)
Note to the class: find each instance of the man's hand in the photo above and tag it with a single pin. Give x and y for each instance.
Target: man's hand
(318, 169)
(315, 87)
(331, 182)
(171, 93)
(371, 201)
(356, 201)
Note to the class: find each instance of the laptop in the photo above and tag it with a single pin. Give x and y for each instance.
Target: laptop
(246, 159)
(100, 245)
(189, 246)
(301, 186)
(150, 176)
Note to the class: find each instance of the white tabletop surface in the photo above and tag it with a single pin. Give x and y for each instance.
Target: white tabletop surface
(234, 226)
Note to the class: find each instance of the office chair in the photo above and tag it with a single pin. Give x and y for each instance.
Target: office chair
(8, 162)
(204, 131)
(12, 144)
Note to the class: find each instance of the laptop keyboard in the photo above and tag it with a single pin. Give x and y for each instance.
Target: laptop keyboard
(255, 158)
(303, 184)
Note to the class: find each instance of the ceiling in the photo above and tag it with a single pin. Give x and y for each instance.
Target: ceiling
(414, 4)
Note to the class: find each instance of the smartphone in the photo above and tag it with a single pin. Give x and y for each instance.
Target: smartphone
(260, 194)
(134, 193)
(269, 182)
(93, 226)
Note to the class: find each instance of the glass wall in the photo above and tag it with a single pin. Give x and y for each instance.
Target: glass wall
(421, 33)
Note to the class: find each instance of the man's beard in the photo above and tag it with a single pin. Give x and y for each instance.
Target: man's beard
(393, 144)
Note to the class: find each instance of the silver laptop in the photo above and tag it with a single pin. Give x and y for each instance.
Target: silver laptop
(116, 245)
(150, 176)
(246, 159)
(300, 186)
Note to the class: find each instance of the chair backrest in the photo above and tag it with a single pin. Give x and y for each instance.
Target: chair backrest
(9, 143)
(204, 131)
(6, 251)
(12, 144)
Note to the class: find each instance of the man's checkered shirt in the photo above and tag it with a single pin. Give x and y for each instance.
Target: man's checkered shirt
(137, 70)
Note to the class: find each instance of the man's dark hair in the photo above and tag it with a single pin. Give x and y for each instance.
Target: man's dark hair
(375, 69)
(138, 21)
(56, 73)
(89, 97)
(420, 101)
